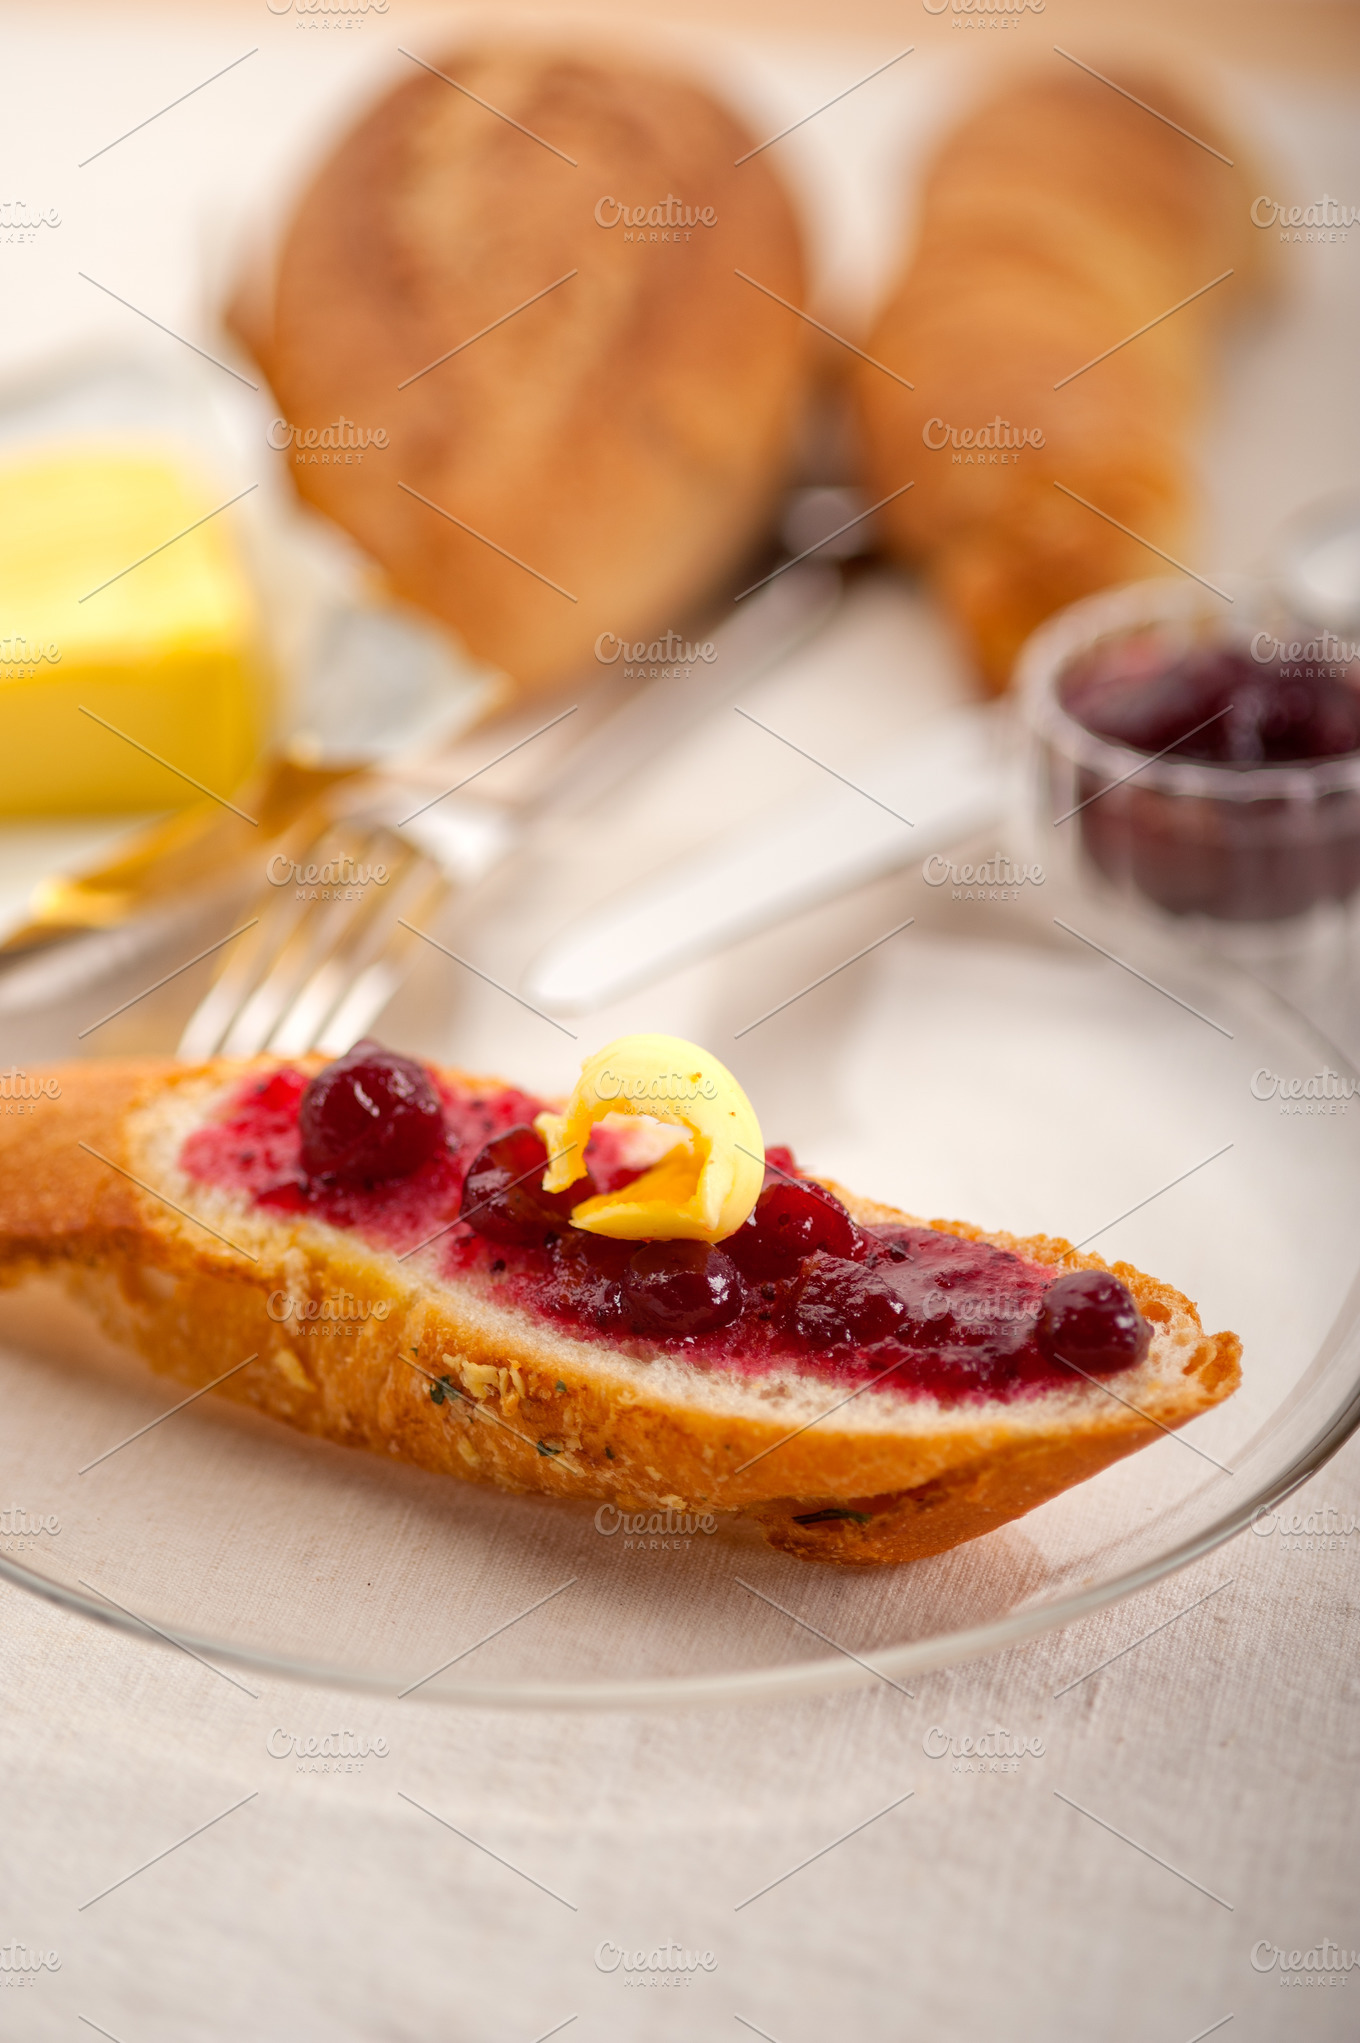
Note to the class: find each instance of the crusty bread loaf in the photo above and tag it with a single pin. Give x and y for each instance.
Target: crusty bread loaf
(1055, 221)
(623, 437)
(454, 1382)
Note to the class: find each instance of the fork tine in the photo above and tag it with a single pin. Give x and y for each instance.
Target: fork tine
(311, 1016)
(321, 932)
(318, 973)
(379, 980)
(206, 1027)
(256, 984)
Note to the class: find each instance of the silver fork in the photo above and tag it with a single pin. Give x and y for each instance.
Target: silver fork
(324, 956)
(320, 960)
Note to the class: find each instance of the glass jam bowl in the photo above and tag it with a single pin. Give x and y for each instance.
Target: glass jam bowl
(1240, 854)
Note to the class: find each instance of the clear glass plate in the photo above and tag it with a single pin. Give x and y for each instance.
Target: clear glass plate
(979, 1066)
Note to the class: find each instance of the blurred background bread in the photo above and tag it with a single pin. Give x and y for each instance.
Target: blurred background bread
(1056, 220)
(623, 437)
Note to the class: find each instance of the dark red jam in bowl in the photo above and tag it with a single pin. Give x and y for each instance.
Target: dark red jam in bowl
(800, 1286)
(1215, 842)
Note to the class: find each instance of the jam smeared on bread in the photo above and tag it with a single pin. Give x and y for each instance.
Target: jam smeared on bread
(797, 1285)
(730, 1372)
(503, 1195)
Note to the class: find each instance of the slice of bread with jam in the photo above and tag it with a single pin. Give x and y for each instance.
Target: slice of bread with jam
(868, 1386)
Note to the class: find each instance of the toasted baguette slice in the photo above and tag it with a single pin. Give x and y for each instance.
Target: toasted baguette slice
(90, 1183)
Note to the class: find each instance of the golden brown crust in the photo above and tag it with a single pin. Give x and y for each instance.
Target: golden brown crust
(53, 1191)
(972, 1498)
(443, 1379)
(625, 435)
(1056, 220)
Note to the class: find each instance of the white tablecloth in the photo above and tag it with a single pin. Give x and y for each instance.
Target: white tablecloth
(985, 1906)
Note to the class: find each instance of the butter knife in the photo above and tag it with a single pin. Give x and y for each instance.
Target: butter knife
(934, 790)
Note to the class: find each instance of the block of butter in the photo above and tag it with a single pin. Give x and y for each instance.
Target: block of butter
(165, 652)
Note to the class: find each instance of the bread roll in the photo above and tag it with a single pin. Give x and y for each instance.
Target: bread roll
(624, 436)
(1056, 220)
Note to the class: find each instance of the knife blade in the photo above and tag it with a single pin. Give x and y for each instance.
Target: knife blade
(939, 787)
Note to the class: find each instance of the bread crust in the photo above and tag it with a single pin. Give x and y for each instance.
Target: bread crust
(625, 436)
(459, 1384)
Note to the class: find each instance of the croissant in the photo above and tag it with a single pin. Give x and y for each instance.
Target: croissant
(1057, 219)
(514, 357)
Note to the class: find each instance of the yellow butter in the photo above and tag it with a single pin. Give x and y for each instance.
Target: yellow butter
(703, 1189)
(167, 652)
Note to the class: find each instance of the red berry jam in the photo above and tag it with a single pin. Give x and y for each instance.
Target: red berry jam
(790, 1221)
(503, 1196)
(1201, 853)
(682, 1287)
(370, 1115)
(1213, 703)
(800, 1286)
(1089, 1320)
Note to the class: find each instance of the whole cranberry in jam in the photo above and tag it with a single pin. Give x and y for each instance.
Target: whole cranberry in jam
(681, 1287)
(839, 1304)
(1090, 1320)
(369, 1115)
(503, 1196)
(789, 1222)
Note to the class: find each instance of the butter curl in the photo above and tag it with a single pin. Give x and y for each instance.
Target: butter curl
(704, 1188)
